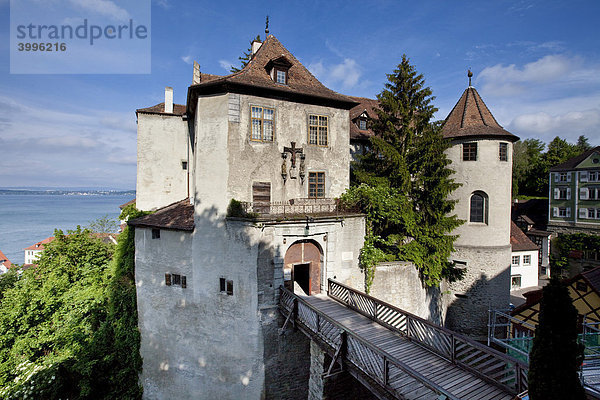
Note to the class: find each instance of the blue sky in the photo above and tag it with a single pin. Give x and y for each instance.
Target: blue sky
(536, 65)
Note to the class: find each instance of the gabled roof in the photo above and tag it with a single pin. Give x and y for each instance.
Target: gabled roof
(177, 216)
(471, 118)
(571, 163)
(40, 245)
(254, 78)
(4, 260)
(519, 241)
(367, 106)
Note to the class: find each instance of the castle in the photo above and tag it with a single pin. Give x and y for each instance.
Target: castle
(243, 180)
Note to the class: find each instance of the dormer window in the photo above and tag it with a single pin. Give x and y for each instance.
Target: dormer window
(281, 76)
(278, 70)
(362, 124)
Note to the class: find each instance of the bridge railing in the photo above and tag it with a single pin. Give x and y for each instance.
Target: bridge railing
(485, 362)
(370, 360)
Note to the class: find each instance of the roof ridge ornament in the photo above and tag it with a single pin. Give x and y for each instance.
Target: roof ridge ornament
(470, 75)
(267, 27)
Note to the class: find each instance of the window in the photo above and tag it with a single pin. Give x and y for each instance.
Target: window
(564, 177)
(184, 165)
(176, 280)
(515, 282)
(316, 185)
(362, 124)
(281, 76)
(593, 193)
(562, 193)
(469, 151)
(526, 260)
(155, 233)
(564, 212)
(592, 213)
(262, 123)
(226, 286)
(478, 207)
(593, 176)
(317, 130)
(516, 260)
(503, 151)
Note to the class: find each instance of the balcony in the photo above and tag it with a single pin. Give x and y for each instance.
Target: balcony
(291, 209)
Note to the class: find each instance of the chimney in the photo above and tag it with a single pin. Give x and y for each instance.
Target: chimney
(169, 100)
(197, 78)
(255, 46)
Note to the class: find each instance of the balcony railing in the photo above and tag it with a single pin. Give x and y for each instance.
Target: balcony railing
(293, 207)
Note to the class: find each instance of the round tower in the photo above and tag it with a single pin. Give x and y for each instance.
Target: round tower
(481, 156)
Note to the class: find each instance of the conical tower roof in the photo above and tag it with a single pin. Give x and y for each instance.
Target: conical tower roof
(470, 117)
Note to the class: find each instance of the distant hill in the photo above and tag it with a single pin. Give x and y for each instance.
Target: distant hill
(65, 192)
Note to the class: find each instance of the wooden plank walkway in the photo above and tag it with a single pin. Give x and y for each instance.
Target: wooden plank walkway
(456, 381)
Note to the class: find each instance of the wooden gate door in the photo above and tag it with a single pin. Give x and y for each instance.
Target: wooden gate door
(302, 253)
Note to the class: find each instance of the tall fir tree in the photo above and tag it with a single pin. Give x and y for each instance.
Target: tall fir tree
(556, 355)
(403, 183)
(244, 59)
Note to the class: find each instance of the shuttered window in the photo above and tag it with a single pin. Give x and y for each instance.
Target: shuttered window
(261, 197)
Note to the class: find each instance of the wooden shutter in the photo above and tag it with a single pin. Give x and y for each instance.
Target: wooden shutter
(583, 213)
(568, 177)
(261, 197)
(583, 176)
(583, 193)
(555, 211)
(556, 177)
(556, 193)
(568, 193)
(568, 212)
(168, 279)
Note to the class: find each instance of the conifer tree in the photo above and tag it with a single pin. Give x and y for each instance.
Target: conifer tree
(244, 59)
(556, 356)
(404, 181)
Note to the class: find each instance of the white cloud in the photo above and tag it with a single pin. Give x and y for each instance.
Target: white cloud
(226, 65)
(187, 59)
(164, 4)
(106, 8)
(345, 75)
(584, 122)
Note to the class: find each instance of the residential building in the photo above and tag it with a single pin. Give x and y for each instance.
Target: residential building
(574, 194)
(243, 179)
(524, 260)
(360, 131)
(531, 216)
(5, 263)
(32, 253)
(481, 157)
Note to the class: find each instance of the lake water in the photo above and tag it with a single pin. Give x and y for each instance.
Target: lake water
(27, 219)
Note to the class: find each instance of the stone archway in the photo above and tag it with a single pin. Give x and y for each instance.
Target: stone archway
(302, 264)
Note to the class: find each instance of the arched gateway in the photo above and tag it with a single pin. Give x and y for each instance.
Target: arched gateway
(302, 264)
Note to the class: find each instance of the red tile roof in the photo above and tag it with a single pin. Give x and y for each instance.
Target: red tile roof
(177, 216)
(40, 245)
(571, 163)
(519, 241)
(470, 117)
(254, 78)
(4, 260)
(365, 105)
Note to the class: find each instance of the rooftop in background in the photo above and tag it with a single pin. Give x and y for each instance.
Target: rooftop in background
(534, 210)
(572, 163)
(368, 107)
(470, 117)
(4, 261)
(519, 241)
(178, 109)
(122, 206)
(40, 245)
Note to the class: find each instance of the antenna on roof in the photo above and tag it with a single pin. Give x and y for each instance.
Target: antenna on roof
(267, 27)
(469, 74)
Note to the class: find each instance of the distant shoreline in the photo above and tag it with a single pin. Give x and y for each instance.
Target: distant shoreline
(67, 192)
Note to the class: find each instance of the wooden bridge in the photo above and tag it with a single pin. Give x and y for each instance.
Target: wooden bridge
(397, 355)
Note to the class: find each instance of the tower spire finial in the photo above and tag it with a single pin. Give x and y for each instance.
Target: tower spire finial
(267, 27)
(469, 74)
